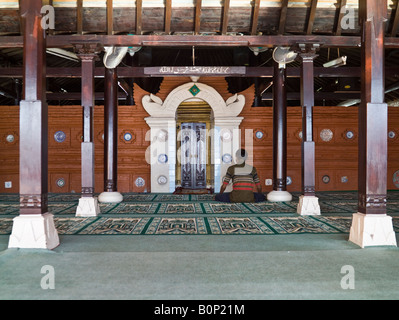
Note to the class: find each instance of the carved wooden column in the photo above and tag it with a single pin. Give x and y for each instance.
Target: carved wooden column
(308, 202)
(279, 192)
(371, 226)
(88, 204)
(110, 138)
(34, 227)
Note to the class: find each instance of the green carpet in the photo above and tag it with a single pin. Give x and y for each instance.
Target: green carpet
(167, 214)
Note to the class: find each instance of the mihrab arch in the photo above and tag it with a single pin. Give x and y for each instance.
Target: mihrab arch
(162, 123)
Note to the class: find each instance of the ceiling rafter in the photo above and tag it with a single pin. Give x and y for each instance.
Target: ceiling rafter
(79, 16)
(110, 17)
(225, 19)
(395, 20)
(312, 14)
(255, 17)
(197, 19)
(340, 14)
(139, 13)
(168, 15)
(283, 16)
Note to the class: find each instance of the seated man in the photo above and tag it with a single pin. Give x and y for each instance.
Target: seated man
(244, 178)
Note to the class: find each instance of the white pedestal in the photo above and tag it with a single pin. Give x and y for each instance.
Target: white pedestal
(110, 197)
(88, 207)
(308, 206)
(278, 196)
(372, 230)
(34, 231)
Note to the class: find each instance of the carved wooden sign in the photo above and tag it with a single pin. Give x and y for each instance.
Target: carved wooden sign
(194, 71)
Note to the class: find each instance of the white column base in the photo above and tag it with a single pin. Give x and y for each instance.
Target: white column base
(308, 206)
(110, 197)
(279, 196)
(372, 230)
(34, 231)
(88, 207)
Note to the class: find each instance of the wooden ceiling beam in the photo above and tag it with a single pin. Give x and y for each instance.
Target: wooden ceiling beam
(110, 17)
(283, 16)
(129, 72)
(139, 13)
(395, 22)
(225, 18)
(168, 15)
(340, 14)
(255, 17)
(312, 15)
(197, 21)
(79, 17)
(64, 41)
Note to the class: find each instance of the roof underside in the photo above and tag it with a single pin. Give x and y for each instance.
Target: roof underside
(201, 18)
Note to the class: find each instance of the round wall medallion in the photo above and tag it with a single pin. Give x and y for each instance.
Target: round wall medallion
(162, 158)
(391, 134)
(349, 134)
(162, 180)
(344, 179)
(127, 136)
(395, 179)
(326, 179)
(326, 135)
(140, 182)
(10, 138)
(227, 158)
(60, 182)
(59, 136)
(289, 180)
(259, 134)
(300, 135)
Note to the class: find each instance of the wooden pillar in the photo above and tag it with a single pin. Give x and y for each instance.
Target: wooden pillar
(308, 204)
(279, 192)
(371, 226)
(110, 138)
(34, 227)
(88, 205)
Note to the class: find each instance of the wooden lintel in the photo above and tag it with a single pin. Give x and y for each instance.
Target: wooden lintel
(142, 72)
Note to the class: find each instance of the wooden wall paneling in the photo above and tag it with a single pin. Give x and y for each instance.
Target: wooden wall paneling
(9, 149)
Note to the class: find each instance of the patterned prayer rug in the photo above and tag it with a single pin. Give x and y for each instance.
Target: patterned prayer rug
(197, 214)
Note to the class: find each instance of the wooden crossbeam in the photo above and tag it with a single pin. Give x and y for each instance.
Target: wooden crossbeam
(131, 72)
(65, 41)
